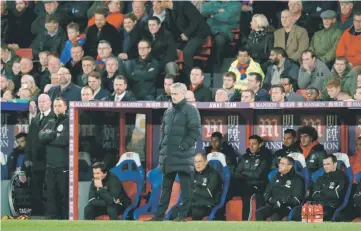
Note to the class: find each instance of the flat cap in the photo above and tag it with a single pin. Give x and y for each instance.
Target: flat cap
(328, 14)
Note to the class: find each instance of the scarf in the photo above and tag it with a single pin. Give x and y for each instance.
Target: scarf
(255, 36)
(242, 68)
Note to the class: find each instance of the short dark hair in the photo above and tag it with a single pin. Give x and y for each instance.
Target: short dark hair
(217, 135)
(333, 158)
(87, 87)
(290, 79)
(290, 131)
(243, 49)
(256, 137)
(130, 16)
(101, 165)
(253, 95)
(308, 130)
(60, 99)
(121, 77)
(290, 160)
(88, 58)
(20, 135)
(146, 41)
(76, 44)
(73, 25)
(169, 76)
(313, 88)
(313, 54)
(105, 42)
(357, 13)
(51, 18)
(198, 68)
(203, 155)
(101, 11)
(94, 74)
(258, 76)
(280, 51)
(231, 74)
(154, 18)
(280, 86)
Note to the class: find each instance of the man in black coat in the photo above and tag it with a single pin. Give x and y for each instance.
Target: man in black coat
(284, 192)
(55, 135)
(120, 90)
(201, 92)
(101, 30)
(168, 82)
(106, 194)
(16, 158)
(187, 26)
(35, 152)
(180, 130)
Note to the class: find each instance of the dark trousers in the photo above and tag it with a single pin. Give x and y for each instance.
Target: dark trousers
(189, 50)
(186, 188)
(327, 213)
(220, 40)
(37, 188)
(275, 214)
(92, 211)
(196, 212)
(246, 193)
(57, 193)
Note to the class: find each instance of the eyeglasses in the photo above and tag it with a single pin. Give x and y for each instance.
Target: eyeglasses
(142, 48)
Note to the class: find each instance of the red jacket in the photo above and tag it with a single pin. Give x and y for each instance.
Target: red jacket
(349, 46)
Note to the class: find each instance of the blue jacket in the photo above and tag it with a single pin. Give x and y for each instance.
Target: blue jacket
(66, 53)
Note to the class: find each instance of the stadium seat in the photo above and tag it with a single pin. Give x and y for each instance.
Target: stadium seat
(358, 180)
(302, 92)
(130, 172)
(342, 159)
(85, 167)
(180, 59)
(234, 209)
(205, 51)
(25, 53)
(236, 36)
(146, 211)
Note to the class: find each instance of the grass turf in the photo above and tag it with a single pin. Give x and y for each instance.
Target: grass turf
(40, 225)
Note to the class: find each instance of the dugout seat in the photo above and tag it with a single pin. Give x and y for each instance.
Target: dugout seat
(85, 167)
(358, 180)
(342, 160)
(130, 172)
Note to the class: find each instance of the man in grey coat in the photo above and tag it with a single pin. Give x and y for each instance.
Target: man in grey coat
(312, 72)
(180, 130)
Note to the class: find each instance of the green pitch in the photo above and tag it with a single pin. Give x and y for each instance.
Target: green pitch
(40, 225)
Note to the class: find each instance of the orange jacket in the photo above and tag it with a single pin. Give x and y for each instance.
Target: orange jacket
(349, 46)
(355, 162)
(115, 19)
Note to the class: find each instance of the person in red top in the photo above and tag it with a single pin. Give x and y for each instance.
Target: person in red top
(355, 160)
(114, 17)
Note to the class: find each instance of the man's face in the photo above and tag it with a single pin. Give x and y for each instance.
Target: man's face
(295, 6)
(53, 64)
(114, 6)
(312, 95)
(228, 83)
(333, 92)
(26, 66)
(190, 97)
(176, 95)
(98, 174)
(358, 94)
(88, 66)
(72, 33)
(252, 82)
(20, 5)
(59, 107)
(284, 167)
(346, 7)
(358, 144)
(77, 53)
(153, 26)
(340, 66)
(308, 60)
(104, 50)
(16, 67)
(274, 58)
(329, 166)
(43, 58)
(143, 49)
(119, 86)
(51, 27)
(243, 57)
(138, 9)
(247, 97)
(221, 96)
(288, 140)
(357, 23)
(277, 95)
(21, 142)
(305, 140)
(44, 103)
(86, 95)
(196, 77)
(328, 22)
(167, 85)
(254, 146)
(128, 24)
(50, 7)
(286, 19)
(157, 8)
(64, 76)
(111, 66)
(215, 143)
(100, 20)
(4, 54)
(4, 82)
(93, 83)
(199, 163)
(286, 84)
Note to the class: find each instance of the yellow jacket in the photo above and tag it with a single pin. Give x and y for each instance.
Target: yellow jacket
(253, 67)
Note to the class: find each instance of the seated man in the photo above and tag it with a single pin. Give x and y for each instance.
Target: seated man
(278, 93)
(168, 82)
(254, 84)
(229, 81)
(333, 87)
(201, 92)
(312, 94)
(221, 95)
(289, 145)
(106, 195)
(284, 192)
(288, 83)
(248, 96)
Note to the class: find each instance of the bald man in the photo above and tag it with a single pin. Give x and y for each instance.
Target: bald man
(190, 96)
(35, 152)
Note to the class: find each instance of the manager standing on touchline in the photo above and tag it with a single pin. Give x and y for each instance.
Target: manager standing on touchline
(180, 130)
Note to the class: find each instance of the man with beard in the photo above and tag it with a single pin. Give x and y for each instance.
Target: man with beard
(290, 145)
(16, 158)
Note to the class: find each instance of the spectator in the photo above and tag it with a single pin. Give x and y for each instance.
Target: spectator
(163, 46)
(201, 92)
(280, 66)
(27, 81)
(290, 145)
(242, 67)
(313, 71)
(251, 172)
(324, 42)
(52, 73)
(254, 84)
(106, 194)
(114, 17)
(75, 65)
(294, 39)
(357, 95)
(349, 44)
(74, 38)
(345, 16)
(344, 72)
(159, 11)
(260, 40)
(52, 39)
(112, 69)
(25, 95)
(35, 152)
(95, 6)
(278, 93)
(5, 84)
(168, 82)
(51, 8)
(120, 90)
(141, 14)
(43, 63)
(87, 94)
(221, 95)
(8, 57)
(284, 192)
(76, 11)
(313, 151)
(344, 96)
(66, 89)
(15, 160)
(143, 72)
(102, 30)
(248, 96)
(55, 136)
(355, 159)
(88, 65)
(223, 17)
(94, 82)
(15, 74)
(229, 81)
(188, 27)
(8, 95)
(190, 97)
(129, 38)
(287, 83)
(4, 20)
(312, 94)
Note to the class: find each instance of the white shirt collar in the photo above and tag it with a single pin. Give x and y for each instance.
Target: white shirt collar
(161, 16)
(119, 97)
(46, 113)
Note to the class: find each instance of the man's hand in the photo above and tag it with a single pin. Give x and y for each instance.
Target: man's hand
(246, 8)
(98, 184)
(123, 56)
(306, 67)
(32, 107)
(13, 46)
(184, 38)
(118, 202)
(221, 10)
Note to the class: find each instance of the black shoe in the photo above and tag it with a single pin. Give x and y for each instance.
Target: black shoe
(179, 219)
(156, 218)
